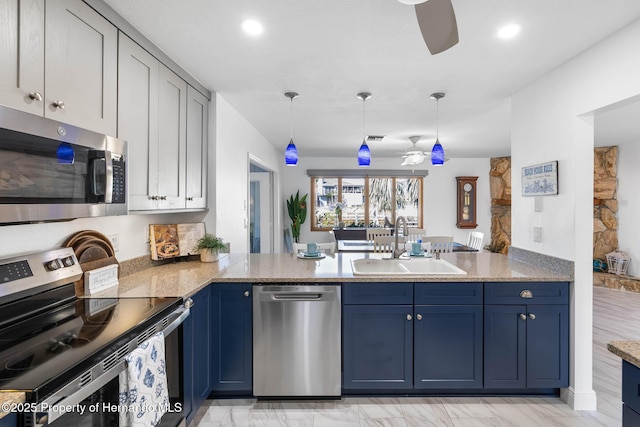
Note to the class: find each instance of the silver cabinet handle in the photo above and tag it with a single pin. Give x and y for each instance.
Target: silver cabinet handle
(532, 316)
(36, 96)
(246, 294)
(409, 317)
(58, 104)
(419, 316)
(526, 294)
(522, 316)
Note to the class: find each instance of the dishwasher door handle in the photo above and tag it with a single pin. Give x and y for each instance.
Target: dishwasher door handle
(296, 296)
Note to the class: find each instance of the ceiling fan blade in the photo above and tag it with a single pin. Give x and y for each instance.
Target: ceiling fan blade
(437, 22)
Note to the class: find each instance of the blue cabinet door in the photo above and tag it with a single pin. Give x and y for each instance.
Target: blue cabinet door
(201, 315)
(448, 346)
(547, 346)
(232, 339)
(9, 420)
(196, 339)
(505, 346)
(377, 347)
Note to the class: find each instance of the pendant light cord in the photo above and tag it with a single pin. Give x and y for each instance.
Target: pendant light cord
(437, 119)
(291, 119)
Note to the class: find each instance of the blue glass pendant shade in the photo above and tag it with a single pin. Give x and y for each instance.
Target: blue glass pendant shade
(364, 155)
(437, 154)
(291, 154)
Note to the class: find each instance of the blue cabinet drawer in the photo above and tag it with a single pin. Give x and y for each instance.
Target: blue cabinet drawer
(377, 293)
(449, 293)
(526, 293)
(631, 385)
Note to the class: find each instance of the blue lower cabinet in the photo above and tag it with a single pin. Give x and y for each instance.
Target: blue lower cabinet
(9, 420)
(232, 339)
(197, 353)
(630, 418)
(448, 347)
(377, 347)
(526, 346)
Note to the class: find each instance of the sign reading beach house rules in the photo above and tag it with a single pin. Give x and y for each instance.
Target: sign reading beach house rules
(540, 180)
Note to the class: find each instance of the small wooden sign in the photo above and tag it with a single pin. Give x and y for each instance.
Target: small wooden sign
(540, 180)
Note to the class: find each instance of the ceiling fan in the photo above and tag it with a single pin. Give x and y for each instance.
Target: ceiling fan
(437, 22)
(414, 156)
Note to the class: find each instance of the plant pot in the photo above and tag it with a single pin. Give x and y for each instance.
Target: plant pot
(208, 255)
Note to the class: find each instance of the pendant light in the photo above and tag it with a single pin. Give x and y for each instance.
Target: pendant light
(364, 154)
(291, 153)
(437, 152)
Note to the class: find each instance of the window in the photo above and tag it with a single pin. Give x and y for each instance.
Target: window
(365, 201)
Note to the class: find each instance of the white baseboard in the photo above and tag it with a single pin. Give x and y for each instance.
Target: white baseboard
(582, 401)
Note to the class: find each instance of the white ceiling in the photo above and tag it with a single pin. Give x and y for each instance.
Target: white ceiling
(329, 50)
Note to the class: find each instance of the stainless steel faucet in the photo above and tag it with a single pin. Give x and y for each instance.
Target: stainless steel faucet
(405, 231)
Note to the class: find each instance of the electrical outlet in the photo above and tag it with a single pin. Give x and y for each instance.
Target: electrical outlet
(115, 241)
(537, 234)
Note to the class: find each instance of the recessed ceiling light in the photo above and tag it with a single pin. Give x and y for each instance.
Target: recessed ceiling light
(509, 31)
(252, 27)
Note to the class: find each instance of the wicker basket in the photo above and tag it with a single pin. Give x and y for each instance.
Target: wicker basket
(618, 262)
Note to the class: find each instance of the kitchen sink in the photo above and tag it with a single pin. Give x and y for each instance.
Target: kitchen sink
(414, 266)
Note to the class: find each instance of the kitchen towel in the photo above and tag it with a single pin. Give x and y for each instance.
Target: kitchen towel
(144, 397)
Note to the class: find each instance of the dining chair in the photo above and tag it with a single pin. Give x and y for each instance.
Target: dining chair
(415, 234)
(327, 248)
(475, 240)
(383, 243)
(372, 232)
(440, 243)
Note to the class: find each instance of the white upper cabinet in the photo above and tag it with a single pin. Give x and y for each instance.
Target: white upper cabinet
(197, 142)
(76, 81)
(172, 140)
(138, 121)
(22, 53)
(165, 122)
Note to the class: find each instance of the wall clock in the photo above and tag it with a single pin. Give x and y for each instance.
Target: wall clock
(466, 198)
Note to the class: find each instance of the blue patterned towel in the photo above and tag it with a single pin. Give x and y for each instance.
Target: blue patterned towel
(144, 397)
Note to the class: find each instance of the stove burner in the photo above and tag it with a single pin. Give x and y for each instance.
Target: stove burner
(64, 343)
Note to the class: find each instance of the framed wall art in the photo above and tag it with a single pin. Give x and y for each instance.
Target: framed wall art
(540, 180)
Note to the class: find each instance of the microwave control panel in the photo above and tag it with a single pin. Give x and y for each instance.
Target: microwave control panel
(119, 179)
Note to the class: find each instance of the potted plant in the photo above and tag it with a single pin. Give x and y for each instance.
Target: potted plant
(297, 209)
(209, 246)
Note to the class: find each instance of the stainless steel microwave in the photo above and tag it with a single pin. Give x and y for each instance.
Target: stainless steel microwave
(54, 171)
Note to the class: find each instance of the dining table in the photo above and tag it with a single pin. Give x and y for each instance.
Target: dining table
(367, 246)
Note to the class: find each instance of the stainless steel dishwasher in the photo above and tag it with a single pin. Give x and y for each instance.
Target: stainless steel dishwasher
(296, 340)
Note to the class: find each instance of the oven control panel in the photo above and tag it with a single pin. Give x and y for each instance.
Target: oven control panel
(31, 271)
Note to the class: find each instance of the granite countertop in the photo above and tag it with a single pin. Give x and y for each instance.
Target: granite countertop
(183, 279)
(627, 350)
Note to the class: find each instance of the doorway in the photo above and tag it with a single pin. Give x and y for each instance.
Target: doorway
(260, 228)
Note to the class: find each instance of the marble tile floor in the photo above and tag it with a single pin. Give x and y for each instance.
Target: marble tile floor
(616, 317)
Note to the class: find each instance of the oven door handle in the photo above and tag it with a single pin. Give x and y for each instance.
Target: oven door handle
(180, 319)
(54, 408)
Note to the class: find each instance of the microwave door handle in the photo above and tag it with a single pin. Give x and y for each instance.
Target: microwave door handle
(97, 176)
(108, 193)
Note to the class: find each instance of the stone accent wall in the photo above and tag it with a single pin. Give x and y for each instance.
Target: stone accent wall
(605, 207)
(500, 183)
(612, 281)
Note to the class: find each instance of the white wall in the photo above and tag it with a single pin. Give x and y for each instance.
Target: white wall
(439, 208)
(629, 204)
(551, 121)
(235, 140)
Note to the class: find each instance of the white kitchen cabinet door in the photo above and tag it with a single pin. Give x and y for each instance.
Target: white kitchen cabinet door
(22, 53)
(172, 139)
(197, 142)
(80, 67)
(138, 121)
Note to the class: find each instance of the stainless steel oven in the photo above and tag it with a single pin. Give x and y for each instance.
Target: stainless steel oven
(66, 353)
(55, 171)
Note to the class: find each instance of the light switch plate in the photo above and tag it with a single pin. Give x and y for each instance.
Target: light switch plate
(537, 234)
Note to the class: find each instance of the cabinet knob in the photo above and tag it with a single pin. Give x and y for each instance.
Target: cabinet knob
(532, 316)
(189, 303)
(190, 199)
(162, 197)
(153, 197)
(522, 316)
(409, 317)
(526, 294)
(58, 104)
(419, 316)
(246, 294)
(36, 96)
